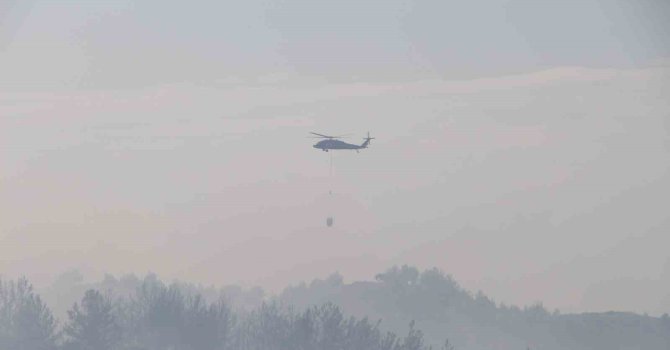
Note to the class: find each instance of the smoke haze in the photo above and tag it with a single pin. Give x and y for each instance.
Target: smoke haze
(517, 144)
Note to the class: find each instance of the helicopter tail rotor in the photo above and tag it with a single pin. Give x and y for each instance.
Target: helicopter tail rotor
(367, 141)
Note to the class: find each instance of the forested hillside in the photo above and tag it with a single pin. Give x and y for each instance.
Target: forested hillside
(402, 308)
(442, 308)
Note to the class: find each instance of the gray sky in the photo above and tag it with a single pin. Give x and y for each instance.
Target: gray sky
(522, 146)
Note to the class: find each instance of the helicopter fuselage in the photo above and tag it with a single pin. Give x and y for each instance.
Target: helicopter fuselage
(327, 145)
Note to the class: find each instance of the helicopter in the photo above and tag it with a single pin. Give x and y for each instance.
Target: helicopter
(332, 143)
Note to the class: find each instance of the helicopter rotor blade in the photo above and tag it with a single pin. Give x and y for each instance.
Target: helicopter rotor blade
(322, 136)
(329, 137)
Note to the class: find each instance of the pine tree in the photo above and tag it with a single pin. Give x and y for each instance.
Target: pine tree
(25, 321)
(92, 326)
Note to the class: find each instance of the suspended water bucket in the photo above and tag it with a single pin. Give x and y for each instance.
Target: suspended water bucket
(329, 221)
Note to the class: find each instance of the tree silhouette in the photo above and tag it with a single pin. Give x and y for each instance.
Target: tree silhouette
(25, 321)
(93, 325)
(413, 340)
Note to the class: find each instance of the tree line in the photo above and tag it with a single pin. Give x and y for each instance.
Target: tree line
(471, 320)
(159, 316)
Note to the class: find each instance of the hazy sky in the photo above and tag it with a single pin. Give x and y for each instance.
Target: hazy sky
(522, 146)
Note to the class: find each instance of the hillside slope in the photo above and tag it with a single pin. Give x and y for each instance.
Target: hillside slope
(441, 308)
